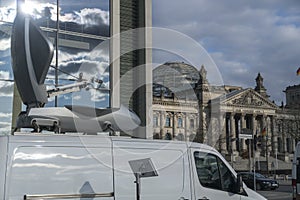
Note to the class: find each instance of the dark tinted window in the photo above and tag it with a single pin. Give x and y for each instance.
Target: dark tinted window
(207, 170)
(213, 173)
(298, 169)
(227, 178)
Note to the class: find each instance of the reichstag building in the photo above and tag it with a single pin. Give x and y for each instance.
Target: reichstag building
(186, 107)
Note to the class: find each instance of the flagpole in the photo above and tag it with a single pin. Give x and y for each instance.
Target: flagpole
(254, 181)
(267, 158)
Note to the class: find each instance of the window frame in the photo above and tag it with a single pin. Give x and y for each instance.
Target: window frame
(192, 123)
(168, 121)
(221, 178)
(155, 121)
(179, 122)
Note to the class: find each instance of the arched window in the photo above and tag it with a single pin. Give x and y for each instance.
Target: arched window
(155, 121)
(179, 121)
(168, 121)
(192, 123)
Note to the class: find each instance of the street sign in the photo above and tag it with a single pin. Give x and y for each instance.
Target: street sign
(246, 134)
(246, 131)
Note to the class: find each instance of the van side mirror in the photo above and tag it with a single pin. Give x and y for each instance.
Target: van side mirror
(239, 184)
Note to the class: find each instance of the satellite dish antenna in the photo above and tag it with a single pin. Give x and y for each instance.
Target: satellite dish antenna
(32, 53)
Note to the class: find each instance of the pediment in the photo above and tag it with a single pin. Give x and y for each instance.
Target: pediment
(248, 98)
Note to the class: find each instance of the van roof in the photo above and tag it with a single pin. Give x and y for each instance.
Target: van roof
(69, 139)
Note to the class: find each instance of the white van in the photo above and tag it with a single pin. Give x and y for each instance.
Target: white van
(41, 166)
(296, 173)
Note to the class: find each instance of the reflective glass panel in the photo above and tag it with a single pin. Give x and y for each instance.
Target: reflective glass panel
(7, 15)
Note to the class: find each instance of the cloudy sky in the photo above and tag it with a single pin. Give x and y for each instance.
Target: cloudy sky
(243, 37)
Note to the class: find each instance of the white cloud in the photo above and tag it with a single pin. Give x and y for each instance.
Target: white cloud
(37, 9)
(243, 37)
(5, 123)
(66, 97)
(8, 13)
(5, 115)
(85, 16)
(91, 16)
(76, 97)
(92, 64)
(6, 88)
(4, 44)
(97, 96)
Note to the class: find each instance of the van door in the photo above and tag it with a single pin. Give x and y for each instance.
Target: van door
(172, 166)
(212, 178)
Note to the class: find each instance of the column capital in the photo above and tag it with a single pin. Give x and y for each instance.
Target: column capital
(265, 116)
(254, 115)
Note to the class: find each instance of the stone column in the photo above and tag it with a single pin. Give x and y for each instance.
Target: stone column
(174, 124)
(254, 124)
(161, 123)
(222, 136)
(274, 136)
(184, 118)
(284, 132)
(232, 133)
(293, 143)
(263, 138)
(269, 134)
(254, 132)
(243, 125)
(211, 139)
(284, 146)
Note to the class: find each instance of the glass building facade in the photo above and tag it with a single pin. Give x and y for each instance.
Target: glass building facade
(81, 34)
(7, 15)
(79, 31)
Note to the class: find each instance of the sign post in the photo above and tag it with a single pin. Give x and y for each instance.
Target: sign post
(141, 169)
(248, 134)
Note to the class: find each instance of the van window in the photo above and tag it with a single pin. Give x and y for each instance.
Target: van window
(213, 173)
(298, 170)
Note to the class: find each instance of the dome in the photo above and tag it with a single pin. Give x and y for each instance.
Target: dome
(175, 77)
(170, 70)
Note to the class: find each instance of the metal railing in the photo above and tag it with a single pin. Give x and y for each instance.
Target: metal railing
(66, 196)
